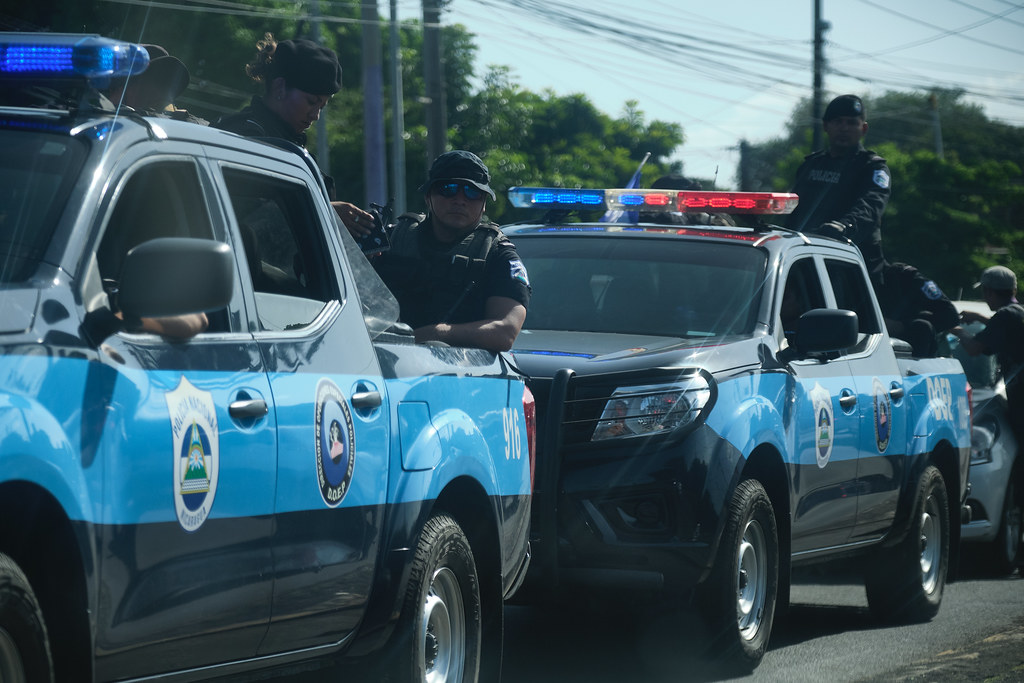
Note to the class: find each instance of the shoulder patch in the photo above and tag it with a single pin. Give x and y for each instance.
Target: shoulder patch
(518, 272)
(881, 178)
(931, 290)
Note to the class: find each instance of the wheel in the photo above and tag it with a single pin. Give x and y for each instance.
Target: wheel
(906, 582)
(1006, 547)
(24, 646)
(738, 601)
(441, 617)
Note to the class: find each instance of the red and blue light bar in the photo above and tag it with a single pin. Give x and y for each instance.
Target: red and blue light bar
(675, 201)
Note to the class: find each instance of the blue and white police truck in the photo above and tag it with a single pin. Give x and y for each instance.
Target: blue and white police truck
(719, 403)
(297, 483)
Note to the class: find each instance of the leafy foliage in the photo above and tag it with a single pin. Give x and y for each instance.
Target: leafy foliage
(951, 216)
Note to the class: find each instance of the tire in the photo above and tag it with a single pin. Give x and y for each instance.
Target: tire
(440, 626)
(1005, 549)
(738, 600)
(906, 582)
(24, 646)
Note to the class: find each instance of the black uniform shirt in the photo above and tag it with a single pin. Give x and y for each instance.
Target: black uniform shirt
(852, 190)
(430, 289)
(1004, 336)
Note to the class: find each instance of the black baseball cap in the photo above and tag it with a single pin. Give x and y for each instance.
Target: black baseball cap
(307, 66)
(167, 70)
(459, 165)
(844, 105)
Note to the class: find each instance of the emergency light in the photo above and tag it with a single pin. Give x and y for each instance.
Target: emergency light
(65, 55)
(675, 201)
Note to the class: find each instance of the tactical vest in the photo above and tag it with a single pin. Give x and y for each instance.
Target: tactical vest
(437, 286)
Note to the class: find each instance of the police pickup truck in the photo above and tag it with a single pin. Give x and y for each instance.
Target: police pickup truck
(299, 483)
(718, 405)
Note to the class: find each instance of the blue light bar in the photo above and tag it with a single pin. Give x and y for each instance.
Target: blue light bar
(68, 55)
(652, 200)
(555, 198)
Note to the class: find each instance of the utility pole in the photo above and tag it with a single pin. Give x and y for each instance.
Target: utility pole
(323, 155)
(397, 115)
(819, 66)
(746, 184)
(433, 75)
(937, 127)
(374, 169)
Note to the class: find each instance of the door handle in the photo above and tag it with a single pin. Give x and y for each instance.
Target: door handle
(847, 400)
(364, 400)
(250, 408)
(896, 393)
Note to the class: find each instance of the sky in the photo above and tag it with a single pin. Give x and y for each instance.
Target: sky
(729, 70)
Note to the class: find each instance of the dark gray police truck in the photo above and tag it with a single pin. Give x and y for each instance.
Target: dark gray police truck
(719, 404)
(299, 484)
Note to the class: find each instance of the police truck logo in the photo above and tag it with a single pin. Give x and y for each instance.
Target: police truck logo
(335, 443)
(824, 424)
(883, 416)
(196, 453)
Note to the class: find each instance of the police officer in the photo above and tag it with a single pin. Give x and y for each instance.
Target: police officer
(457, 278)
(1003, 336)
(153, 91)
(299, 79)
(914, 307)
(844, 190)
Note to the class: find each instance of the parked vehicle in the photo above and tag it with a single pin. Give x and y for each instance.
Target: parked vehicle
(721, 403)
(299, 484)
(993, 532)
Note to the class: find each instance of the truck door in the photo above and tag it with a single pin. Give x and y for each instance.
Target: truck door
(825, 427)
(329, 396)
(189, 467)
(883, 423)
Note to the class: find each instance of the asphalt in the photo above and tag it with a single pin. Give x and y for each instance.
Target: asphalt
(997, 658)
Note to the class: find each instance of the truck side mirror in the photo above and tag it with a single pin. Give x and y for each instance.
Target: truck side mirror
(172, 276)
(823, 330)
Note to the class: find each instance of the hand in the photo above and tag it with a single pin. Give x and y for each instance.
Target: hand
(832, 229)
(971, 317)
(358, 222)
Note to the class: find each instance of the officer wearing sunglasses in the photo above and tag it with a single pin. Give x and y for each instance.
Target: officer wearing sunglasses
(458, 279)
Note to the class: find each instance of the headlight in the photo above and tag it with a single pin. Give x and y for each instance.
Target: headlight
(984, 433)
(652, 408)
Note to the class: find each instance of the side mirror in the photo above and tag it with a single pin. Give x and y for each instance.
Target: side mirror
(826, 329)
(172, 276)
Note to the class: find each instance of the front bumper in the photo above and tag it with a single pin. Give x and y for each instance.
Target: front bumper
(641, 513)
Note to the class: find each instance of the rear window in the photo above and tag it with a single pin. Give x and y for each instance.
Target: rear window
(674, 288)
(37, 172)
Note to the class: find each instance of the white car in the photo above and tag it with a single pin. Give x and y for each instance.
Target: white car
(996, 519)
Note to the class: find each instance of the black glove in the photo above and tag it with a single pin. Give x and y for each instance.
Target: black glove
(833, 229)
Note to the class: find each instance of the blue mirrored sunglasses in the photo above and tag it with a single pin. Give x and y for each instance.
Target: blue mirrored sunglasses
(449, 190)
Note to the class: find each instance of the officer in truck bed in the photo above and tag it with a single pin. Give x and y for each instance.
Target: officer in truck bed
(844, 190)
(457, 278)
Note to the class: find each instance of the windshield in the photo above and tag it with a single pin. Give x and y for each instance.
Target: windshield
(662, 287)
(37, 171)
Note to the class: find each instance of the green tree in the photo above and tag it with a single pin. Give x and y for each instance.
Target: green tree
(545, 139)
(967, 207)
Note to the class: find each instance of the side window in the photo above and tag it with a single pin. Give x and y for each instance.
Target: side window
(802, 293)
(287, 259)
(161, 199)
(851, 291)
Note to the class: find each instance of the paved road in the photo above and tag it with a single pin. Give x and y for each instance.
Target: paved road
(829, 635)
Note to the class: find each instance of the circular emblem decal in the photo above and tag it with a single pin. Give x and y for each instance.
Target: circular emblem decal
(335, 443)
(196, 453)
(824, 424)
(883, 416)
